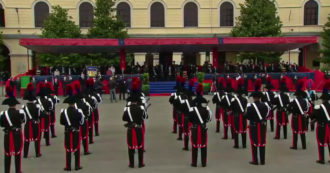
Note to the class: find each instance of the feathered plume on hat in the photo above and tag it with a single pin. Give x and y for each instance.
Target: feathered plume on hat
(69, 92)
(29, 93)
(183, 81)
(178, 81)
(299, 88)
(135, 88)
(199, 89)
(283, 85)
(240, 86)
(11, 100)
(269, 80)
(41, 87)
(221, 83)
(229, 87)
(325, 93)
(257, 86)
(77, 87)
(191, 84)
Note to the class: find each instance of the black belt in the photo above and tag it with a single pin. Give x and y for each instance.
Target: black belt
(14, 130)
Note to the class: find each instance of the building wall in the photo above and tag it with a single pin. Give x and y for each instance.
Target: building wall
(19, 17)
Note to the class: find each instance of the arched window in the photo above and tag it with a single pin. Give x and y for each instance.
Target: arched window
(124, 13)
(190, 15)
(2, 16)
(157, 15)
(86, 14)
(226, 14)
(41, 12)
(311, 11)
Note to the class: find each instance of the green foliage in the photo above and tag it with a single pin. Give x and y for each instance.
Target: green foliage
(59, 25)
(105, 24)
(146, 89)
(200, 77)
(326, 42)
(4, 61)
(207, 87)
(145, 78)
(258, 19)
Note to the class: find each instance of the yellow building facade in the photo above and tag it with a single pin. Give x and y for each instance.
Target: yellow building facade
(19, 22)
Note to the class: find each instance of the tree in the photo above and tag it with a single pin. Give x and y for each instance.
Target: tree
(326, 43)
(258, 19)
(59, 25)
(4, 61)
(105, 23)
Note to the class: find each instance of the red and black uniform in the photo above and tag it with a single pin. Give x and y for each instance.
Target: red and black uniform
(134, 115)
(199, 117)
(32, 130)
(92, 104)
(219, 111)
(227, 116)
(54, 100)
(180, 114)
(299, 107)
(239, 124)
(72, 119)
(96, 113)
(174, 112)
(257, 113)
(322, 117)
(86, 109)
(11, 121)
(281, 102)
(312, 98)
(186, 104)
(46, 105)
(267, 97)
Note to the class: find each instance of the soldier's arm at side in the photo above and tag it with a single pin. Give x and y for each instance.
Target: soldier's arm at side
(62, 118)
(125, 115)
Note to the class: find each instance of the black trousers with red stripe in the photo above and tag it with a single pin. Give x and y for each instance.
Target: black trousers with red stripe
(195, 155)
(131, 157)
(236, 140)
(278, 131)
(262, 153)
(295, 140)
(36, 146)
(76, 160)
(17, 163)
(321, 152)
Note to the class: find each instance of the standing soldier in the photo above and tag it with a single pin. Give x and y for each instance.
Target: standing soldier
(173, 97)
(299, 107)
(199, 116)
(72, 119)
(11, 121)
(268, 97)
(83, 105)
(219, 111)
(32, 126)
(312, 98)
(281, 102)
(226, 104)
(257, 113)
(54, 100)
(46, 105)
(134, 115)
(321, 116)
(238, 105)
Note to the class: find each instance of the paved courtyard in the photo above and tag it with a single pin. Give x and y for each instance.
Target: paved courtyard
(164, 153)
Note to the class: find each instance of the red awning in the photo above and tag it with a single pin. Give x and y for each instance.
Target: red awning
(232, 44)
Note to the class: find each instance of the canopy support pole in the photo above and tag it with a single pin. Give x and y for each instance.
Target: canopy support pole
(305, 56)
(215, 57)
(122, 60)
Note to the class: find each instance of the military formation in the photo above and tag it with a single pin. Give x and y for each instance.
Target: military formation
(36, 120)
(241, 115)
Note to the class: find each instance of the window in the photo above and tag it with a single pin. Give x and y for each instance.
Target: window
(226, 14)
(311, 13)
(86, 15)
(124, 13)
(157, 15)
(41, 11)
(190, 15)
(2, 16)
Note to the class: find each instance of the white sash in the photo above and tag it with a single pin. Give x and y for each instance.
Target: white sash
(218, 97)
(227, 99)
(66, 117)
(257, 110)
(267, 96)
(325, 112)
(188, 105)
(298, 104)
(129, 114)
(42, 107)
(8, 119)
(199, 115)
(280, 98)
(239, 103)
(28, 112)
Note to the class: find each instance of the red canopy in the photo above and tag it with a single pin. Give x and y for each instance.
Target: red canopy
(233, 44)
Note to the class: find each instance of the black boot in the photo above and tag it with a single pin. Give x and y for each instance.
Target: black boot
(271, 125)
(46, 136)
(294, 143)
(285, 131)
(52, 130)
(18, 163)
(68, 161)
(180, 133)
(244, 140)
(141, 161)
(303, 141)
(194, 156)
(131, 158)
(96, 125)
(254, 155)
(204, 156)
(218, 127)
(186, 142)
(262, 153)
(77, 160)
(235, 140)
(7, 164)
(26, 149)
(225, 132)
(278, 132)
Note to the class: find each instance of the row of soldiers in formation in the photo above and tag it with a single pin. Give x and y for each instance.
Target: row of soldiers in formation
(234, 109)
(38, 116)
